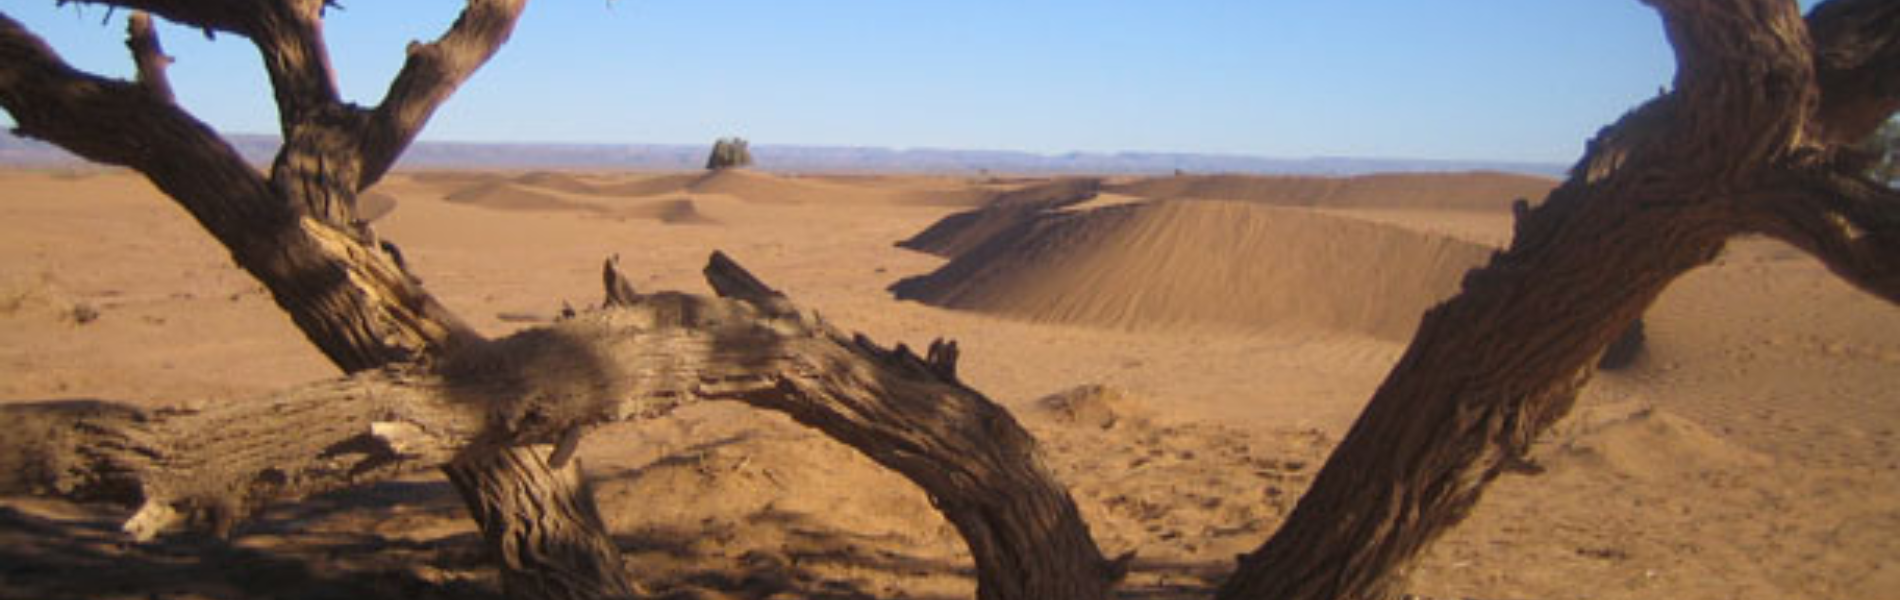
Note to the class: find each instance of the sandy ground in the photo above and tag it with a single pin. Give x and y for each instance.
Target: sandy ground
(1748, 454)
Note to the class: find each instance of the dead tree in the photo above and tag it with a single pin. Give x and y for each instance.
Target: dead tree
(1751, 141)
(504, 440)
(296, 230)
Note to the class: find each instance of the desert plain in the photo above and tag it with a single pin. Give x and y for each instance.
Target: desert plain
(1186, 348)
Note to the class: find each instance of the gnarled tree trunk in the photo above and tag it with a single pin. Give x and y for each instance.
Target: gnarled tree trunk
(1738, 147)
(296, 231)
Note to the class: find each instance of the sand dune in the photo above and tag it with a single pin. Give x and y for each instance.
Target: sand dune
(1213, 263)
(966, 230)
(512, 196)
(1463, 191)
(648, 185)
(1749, 455)
(762, 188)
(560, 182)
(515, 196)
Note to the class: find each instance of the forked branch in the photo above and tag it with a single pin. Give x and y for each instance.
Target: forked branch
(432, 72)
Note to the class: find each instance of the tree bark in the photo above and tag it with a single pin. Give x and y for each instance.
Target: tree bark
(510, 489)
(641, 358)
(297, 230)
(1657, 195)
(1749, 141)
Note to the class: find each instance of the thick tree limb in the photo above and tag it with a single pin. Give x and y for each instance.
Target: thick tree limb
(1495, 366)
(980, 468)
(547, 557)
(353, 302)
(638, 360)
(298, 234)
(289, 36)
(433, 71)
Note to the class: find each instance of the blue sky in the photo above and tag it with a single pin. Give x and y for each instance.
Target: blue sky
(1464, 79)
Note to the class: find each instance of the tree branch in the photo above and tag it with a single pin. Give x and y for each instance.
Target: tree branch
(230, 16)
(142, 39)
(289, 36)
(431, 74)
(1850, 223)
(118, 123)
(1857, 63)
(1495, 366)
(638, 359)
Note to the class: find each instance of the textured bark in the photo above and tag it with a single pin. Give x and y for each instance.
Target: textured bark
(1749, 141)
(210, 468)
(1736, 147)
(347, 297)
(640, 358)
(297, 231)
(541, 555)
(980, 468)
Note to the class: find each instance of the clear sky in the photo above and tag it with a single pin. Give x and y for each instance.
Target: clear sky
(1461, 79)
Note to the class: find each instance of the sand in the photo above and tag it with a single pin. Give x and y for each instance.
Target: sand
(1749, 453)
(1196, 264)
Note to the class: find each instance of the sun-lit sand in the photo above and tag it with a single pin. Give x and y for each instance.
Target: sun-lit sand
(1187, 349)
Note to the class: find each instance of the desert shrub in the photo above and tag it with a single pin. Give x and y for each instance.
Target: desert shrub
(729, 153)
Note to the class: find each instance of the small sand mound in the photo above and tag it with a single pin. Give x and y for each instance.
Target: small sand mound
(41, 298)
(1095, 405)
(559, 182)
(510, 196)
(678, 211)
(1464, 191)
(452, 179)
(756, 187)
(613, 187)
(1645, 442)
(805, 506)
(958, 233)
(649, 185)
(1222, 264)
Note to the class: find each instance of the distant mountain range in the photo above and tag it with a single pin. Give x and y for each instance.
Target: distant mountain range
(835, 159)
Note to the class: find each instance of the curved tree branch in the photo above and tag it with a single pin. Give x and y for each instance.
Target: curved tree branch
(117, 123)
(356, 305)
(640, 357)
(289, 36)
(433, 71)
(1494, 367)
